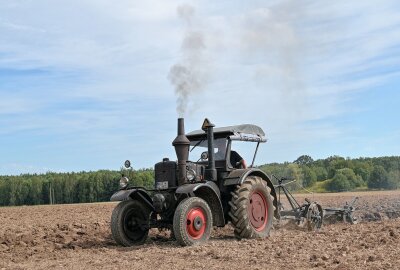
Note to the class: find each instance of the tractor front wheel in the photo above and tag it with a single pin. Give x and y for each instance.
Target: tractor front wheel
(252, 210)
(130, 223)
(192, 221)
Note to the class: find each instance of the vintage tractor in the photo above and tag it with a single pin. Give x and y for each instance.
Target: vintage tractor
(192, 196)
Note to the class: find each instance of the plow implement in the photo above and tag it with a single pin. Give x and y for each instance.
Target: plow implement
(310, 212)
(344, 214)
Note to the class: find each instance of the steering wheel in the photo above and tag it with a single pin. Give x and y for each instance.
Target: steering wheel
(204, 156)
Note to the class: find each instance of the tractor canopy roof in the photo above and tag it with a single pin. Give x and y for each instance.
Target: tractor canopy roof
(244, 132)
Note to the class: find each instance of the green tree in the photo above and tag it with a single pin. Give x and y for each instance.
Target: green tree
(35, 192)
(354, 180)
(321, 173)
(335, 163)
(378, 178)
(345, 179)
(82, 189)
(304, 160)
(394, 179)
(293, 171)
(3, 192)
(309, 176)
(68, 188)
(275, 169)
(339, 183)
(363, 173)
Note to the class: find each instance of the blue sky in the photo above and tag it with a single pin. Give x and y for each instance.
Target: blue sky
(85, 84)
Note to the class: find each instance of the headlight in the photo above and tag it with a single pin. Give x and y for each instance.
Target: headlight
(123, 182)
(190, 175)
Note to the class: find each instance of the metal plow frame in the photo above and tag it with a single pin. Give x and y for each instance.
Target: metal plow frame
(345, 213)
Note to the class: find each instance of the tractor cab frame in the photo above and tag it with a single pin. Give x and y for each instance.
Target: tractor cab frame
(223, 137)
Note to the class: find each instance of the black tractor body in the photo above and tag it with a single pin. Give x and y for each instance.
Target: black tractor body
(192, 196)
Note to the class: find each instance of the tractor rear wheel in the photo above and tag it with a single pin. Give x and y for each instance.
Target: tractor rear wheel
(130, 223)
(252, 210)
(192, 222)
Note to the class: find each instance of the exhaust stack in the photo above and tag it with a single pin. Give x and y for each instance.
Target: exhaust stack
(211, 172)
(181, 144)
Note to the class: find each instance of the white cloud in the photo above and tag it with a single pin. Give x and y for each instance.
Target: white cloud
(13, 105)
(286, 66)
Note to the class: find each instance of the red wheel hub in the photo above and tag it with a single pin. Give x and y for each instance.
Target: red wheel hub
(196, 223)
(258, 211)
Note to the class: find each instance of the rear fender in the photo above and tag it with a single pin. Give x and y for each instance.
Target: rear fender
(138, 194)
(209, 192)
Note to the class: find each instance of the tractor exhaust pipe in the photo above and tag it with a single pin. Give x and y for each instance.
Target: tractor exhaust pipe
(181, 144)
(211, 172)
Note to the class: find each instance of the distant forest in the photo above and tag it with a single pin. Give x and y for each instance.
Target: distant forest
(59, 188)
(333, 174)
(337, 174)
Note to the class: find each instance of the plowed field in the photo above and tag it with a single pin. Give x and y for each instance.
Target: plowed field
(79, 237)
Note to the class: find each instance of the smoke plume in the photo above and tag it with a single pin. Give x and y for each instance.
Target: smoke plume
(187, 75)
(274, 37)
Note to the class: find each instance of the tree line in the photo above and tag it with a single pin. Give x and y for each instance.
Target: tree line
(80, 187)
(339, 173)
(335, 173)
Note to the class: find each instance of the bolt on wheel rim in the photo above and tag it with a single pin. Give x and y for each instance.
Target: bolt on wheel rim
(258, 211)
(134, 224)
(196, 223)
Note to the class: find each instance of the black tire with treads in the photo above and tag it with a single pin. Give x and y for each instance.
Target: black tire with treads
(248, 219)
(130, 223)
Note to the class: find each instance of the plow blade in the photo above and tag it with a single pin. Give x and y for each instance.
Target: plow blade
(345, 214)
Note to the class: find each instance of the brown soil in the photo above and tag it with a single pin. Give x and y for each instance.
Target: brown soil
(78, 237)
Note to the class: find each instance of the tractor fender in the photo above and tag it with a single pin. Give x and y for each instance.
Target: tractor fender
(237, 177)
(209, 192)
(138, 194)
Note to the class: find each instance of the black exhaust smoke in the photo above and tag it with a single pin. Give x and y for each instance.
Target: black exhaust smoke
(181, 144)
